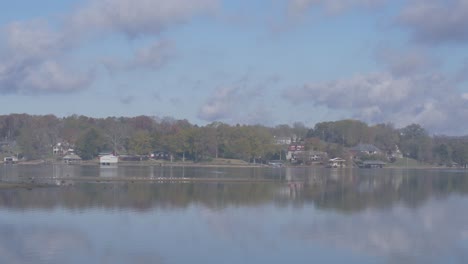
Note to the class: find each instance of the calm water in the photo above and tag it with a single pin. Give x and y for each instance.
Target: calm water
(302, 216)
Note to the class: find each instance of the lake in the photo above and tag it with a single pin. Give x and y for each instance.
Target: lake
(272, 215)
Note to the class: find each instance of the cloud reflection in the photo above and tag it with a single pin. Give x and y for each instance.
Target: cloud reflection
(430, 232)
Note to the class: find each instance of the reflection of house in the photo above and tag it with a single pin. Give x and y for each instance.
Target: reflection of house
(71, 158)
(108, 159)
(336, 163)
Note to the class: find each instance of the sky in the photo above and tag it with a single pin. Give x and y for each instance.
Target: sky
(239, 62)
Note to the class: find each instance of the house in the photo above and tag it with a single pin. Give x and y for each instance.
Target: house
(160, 155)
(309, 156)
(71, 158)
(10, 160)
(317, 155)
(283, 140)
(397, 153)
(62, 148)
(293, 151)
(108, 159)
(336, 163)
(365, 149)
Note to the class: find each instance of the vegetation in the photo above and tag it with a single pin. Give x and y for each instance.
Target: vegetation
(34, 137)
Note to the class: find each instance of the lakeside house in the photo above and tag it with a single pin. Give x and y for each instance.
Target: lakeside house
(62, 149)
(71, 159)
(365, 149)
(10, 160)
(108, 159)
(336, 163)
(293, 151)
(283, 140)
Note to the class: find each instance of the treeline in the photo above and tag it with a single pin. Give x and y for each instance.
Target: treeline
(33, 137)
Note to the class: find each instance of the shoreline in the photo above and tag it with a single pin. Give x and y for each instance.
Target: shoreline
(211, 165)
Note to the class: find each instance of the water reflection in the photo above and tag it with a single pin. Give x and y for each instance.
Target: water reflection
(340, 190)
(304, 214)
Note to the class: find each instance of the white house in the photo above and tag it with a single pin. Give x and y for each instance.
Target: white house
(336, 163)
(11, 159)
(108, 159)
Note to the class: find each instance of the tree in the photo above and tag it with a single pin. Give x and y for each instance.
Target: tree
(416, 142)
(117, 132)
(460, 154)
(28, 144)
(90, 144)
(140, 143)
(386, 137)
(443, 153)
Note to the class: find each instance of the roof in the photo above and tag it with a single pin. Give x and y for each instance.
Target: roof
(366, 148)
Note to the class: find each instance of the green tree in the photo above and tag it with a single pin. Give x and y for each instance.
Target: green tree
(416, 142)
(386, 137)
(141, 143)
(90, 143)
(443, 153)
(460, 154)
(28, 144)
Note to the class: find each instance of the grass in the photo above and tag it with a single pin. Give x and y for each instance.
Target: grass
(408, 162)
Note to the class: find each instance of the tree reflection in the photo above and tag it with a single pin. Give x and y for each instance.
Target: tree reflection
(345, 191)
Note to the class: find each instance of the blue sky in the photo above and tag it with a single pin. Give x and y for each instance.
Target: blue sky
(268, 62)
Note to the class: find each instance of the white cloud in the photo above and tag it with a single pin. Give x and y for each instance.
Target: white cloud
(42, 77)
(34, 61)
(32, 40)
(333, 6)
(436, 21)
(220, 105)
(407, 62)
(428, 99)
(137, 17)
(395, 233)
(153, 57)
(238, 103)
(34, 55)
